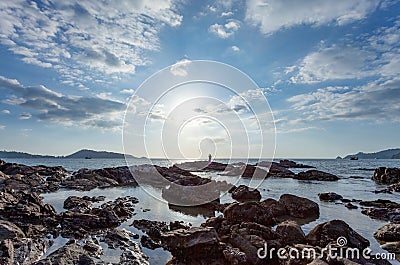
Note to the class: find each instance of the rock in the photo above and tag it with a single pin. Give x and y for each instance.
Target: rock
(350, 206)
(277, 208)
(388, 233)
(29, 250)
(316, 175)
(299, 207)
(379, 203)
(394, 187)
(6, 251)
(385, 175)
(291, 233)
(291, 164)
(151, 228)
(133, 256)
(147, 242)
(237, 213)
(329, 197)
(77, 204)
(9, 230)
(329, 232)
(244, 193)
(68, 255)
(234, 256)
(318, 261)
(384, 214)
(192, 243)
(118, 238)
(393, 247)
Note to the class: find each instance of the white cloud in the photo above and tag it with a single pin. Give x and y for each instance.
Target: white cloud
(376, 101)
(333, 63)
(179, 68)
(80, 37)
(235, 48)
(274, 15)
(227, 14)
(25, 116)
(127, 91)
(2, 127)
(5, 111)
(225, 31)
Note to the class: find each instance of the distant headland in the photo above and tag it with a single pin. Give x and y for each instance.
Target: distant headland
(81, 154)
(385, 154)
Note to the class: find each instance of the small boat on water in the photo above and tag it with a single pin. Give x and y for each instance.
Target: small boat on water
(354, 158)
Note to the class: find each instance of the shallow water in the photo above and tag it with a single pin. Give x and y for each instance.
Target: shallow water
(360, 188)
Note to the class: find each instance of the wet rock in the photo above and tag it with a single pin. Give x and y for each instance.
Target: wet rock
(133, 256)
(291, 164)
(277, 208)
(394, 187)
(350, 206)
(6, 252)
(379, 203)
(29, 250)
(77, 204)
(118, 238)
(68, 255)
(147, 242)
(234, 256)
(244, 193)
(94, 249)
(299, 207)
(192, 243)
(388, 233)
(385, 175)
(291, 233)
(329, 197)
(151, 228)
(329, 232)
(249, 212)
(393, 247)
(318, 261)
(9, 230)
(384, 214)
(316, 175)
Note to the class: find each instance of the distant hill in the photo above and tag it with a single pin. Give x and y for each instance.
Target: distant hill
(396, 156)
(84, 153)
(15, 154)
(385, 154)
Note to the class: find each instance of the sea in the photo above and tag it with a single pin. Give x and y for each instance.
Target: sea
(355, 183)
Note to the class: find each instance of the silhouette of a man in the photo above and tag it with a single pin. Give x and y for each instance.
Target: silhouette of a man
(209, 158)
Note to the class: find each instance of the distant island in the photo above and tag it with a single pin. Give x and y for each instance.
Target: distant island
(81, 154)
(385, 154)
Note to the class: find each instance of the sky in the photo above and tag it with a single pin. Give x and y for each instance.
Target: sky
(328, 73)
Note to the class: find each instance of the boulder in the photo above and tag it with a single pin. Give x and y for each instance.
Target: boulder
(388, 233)
(384, 214)
(192, 243)
(9, 230)
(68, 255)
(6, 251)
(385, 175)
(299, 207)
(77, 204)
(291, 233)
(244, 193)
(291, 164)
(277, 208)
(329, 197)
(316, 175)
(329, 232)
(234, 256)
(237, 213)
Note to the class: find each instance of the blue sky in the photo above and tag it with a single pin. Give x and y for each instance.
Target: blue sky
(329, 69)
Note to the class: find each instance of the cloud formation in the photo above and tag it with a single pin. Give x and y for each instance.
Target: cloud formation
(52, 106)
(225, 31)
(273, 15)
(80, 37)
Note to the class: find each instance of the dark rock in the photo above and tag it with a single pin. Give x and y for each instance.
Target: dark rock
(329, 232)
(329, 197)
(393, 247)
(385, 175)
(77, 204)
(192, 243)
(6, 251)
(244, 193)
(277, 208)
(118, 238)
(388, 233)
(249, 212)
(379, 203)
(9, 230)
(291, 233)
(299, 207)
(291, 164)
(68, 255)
(316, 175)
(234, 256)
(151, 228)
(384, 214)
(350, 206)
(29, 250)
(147, 242)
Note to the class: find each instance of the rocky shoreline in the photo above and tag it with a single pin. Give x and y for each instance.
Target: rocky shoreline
(234, 236)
